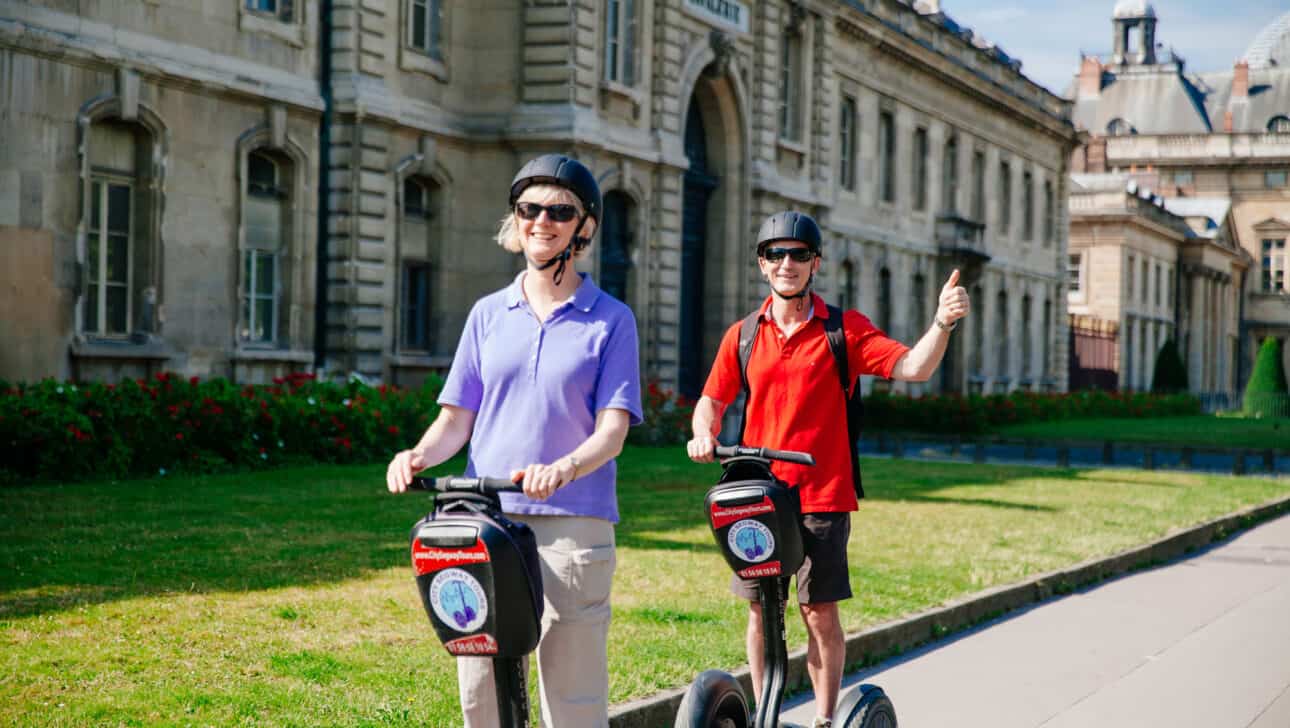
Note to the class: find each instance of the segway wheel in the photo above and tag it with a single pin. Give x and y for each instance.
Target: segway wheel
(715, 700)
(865, 707)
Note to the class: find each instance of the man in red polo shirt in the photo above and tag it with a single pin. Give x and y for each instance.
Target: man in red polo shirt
(795, 402)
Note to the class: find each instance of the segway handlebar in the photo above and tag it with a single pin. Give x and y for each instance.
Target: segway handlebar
(788, 456)
(459, 484)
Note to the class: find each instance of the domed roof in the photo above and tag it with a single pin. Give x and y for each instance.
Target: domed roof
(1134, 9)
(1271, 47)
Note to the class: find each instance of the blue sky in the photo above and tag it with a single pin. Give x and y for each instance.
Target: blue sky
(1048, 36)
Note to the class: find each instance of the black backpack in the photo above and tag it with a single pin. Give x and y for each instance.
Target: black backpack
(838, 345)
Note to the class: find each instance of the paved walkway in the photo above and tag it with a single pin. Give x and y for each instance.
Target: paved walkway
(1203, 641)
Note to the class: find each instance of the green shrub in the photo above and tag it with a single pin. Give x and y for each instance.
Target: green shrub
(1170, 374)
(1265, 393)
(61, 431)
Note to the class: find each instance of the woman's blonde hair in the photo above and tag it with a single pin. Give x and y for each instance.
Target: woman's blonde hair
(508, 232)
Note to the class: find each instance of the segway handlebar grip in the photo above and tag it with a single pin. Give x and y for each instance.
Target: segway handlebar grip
(788, 456)
(458, 484)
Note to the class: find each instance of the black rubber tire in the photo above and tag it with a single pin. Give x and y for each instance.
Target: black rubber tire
(715, 700)
(865, 707)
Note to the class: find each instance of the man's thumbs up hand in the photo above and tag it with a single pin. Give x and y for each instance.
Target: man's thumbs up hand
(954, 303)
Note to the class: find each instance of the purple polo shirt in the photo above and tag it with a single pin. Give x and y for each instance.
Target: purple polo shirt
(535, 389)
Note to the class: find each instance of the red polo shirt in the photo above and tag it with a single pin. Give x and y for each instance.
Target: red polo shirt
(795, 400)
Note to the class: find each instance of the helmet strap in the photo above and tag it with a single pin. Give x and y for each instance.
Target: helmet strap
(800, 296)
(562, 258)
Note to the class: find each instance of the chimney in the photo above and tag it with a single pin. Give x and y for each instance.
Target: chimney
(1241, 81)
(1090, 77)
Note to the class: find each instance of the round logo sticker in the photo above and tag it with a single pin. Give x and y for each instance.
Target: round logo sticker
(458, 600)
(750, 540)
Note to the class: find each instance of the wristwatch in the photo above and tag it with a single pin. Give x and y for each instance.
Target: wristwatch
(576, 463)
(944, 327)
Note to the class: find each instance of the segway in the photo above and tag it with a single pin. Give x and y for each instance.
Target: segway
(755, 521)
(478, 575)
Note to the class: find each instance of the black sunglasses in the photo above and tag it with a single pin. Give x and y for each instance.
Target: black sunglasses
(799, 255)
(555, 213)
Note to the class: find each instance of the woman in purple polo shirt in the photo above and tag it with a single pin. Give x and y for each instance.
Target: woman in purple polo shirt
(544, 385)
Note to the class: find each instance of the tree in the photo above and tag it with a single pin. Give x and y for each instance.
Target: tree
(1170, 374)
(1265, 394)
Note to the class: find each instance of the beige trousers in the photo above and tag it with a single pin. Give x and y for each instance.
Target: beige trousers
(578, 560)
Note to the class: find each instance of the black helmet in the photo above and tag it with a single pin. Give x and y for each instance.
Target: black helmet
(562, 171)
(789, 225)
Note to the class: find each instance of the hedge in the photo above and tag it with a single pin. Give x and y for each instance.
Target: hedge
(61, 431)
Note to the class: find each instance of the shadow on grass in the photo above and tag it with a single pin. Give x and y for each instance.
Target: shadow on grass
(64, 546)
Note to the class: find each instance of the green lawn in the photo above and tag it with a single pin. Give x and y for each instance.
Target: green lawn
(1200, 431)
(286, 597)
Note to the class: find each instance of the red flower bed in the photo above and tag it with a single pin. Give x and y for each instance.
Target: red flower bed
(61, 431)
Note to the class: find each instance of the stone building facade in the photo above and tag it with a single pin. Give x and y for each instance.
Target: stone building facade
(161, 205)
(1216, 147)
(1142, 270)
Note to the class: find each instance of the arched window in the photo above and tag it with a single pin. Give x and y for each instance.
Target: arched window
(120, 264)
(884, 300)
(1279, 125)
(1119, 127)
(1001, 333)
(419, 266)
(616, 246)
(920, 305)
(266, 216)
(978, 333)
(1026, 342)
(847, 296)
(950, 175)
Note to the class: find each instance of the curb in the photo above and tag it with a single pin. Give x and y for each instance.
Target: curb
(879, 643)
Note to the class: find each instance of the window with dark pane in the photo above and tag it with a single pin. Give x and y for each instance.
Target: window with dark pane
(416, 306)
(616, 246)
(425, 27)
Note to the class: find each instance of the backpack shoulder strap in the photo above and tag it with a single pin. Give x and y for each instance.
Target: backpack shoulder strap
(838, 345)
(747, 337)
(836, 334)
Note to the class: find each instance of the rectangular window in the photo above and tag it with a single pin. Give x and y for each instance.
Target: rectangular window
(1005, 197)
(919, 177)
(1145, 273)
(950, 176)
(425, 27)
(109, 259)
(416, 306)
(1274, 266)
(847, 144)
(1158, 284)
(1050, 213)
(790, 75)
(1073, 272)
(1274, 178)
(1128, 279)
(620, 41)
(1183, 178)
(280, 9)
(978, 186)
(1027, 206)
(260, 300)
(887, 151)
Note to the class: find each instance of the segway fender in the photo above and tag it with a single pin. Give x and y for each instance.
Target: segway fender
(715, 700)
(865, 707)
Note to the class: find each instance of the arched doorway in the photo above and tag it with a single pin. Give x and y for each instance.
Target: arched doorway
(616, 246)
(697, 189)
